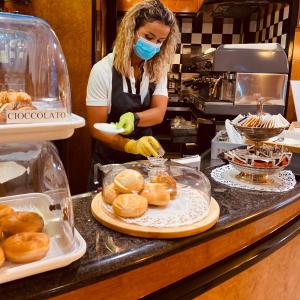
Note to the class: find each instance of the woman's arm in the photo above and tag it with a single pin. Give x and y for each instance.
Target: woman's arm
(98, 114)
(155, 114)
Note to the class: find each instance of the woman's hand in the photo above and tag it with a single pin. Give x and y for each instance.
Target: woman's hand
(126, 121)
(146, 146)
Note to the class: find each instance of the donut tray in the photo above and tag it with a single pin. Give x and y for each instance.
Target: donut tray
(63, 250)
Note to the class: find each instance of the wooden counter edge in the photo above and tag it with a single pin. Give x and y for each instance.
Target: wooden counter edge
(149, 278)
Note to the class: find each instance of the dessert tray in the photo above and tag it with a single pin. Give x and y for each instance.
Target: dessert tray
(229, 175)
(61, 252)
(256, 165)
(260, 127)
(134, 227)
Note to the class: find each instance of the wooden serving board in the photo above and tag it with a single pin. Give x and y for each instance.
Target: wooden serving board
(113, 222)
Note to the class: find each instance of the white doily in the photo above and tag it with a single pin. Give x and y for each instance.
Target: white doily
(189, 207)
(283, 181)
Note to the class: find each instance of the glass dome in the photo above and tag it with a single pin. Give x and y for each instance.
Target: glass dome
(188, 199)
(32, 179)
(33, 73)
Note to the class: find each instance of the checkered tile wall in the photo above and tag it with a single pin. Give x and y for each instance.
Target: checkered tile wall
(203, 33)
(270, 25)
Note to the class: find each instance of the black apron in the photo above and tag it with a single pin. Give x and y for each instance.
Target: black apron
(121, 103)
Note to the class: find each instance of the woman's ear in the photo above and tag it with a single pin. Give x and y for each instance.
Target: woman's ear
(136, 36)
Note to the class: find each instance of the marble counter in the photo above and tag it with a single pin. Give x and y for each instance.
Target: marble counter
(110, 253)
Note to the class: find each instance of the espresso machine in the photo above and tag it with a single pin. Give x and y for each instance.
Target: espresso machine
(232, 79)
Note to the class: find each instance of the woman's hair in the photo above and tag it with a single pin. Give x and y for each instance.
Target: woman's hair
(146, 12)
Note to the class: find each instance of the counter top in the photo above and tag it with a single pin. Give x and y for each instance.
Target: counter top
(111, 253)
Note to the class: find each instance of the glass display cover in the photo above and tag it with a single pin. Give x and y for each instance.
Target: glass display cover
(34, 80)
(162, 171)
(32, 178)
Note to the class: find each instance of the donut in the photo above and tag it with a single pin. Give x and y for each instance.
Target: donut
(22, 221)
(26, 247)
(109, 193)
(129, 181)
(2, 257)
(5, 210)
(168, 181)
(130, 205)
(156, 194)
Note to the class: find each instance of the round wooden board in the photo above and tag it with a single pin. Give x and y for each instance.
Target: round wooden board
(113, 222)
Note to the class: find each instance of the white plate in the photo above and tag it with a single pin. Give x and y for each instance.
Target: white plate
(61, 253)
(12, 133)
(108, 128)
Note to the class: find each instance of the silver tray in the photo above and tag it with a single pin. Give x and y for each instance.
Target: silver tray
(256, 175)
(257, 133)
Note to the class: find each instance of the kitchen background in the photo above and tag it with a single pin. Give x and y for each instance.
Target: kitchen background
(212, 26)
(217, 22)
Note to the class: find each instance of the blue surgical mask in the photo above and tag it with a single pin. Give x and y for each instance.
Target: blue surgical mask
(145, 49)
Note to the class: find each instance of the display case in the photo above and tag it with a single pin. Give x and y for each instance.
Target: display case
(34, 82)
(33, 180)
(155, 198)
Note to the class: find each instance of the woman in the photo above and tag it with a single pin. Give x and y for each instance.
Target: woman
(129, 86)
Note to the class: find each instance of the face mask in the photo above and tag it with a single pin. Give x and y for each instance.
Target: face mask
(145, 49)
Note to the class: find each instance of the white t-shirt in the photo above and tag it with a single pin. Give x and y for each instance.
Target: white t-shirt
(100, 83)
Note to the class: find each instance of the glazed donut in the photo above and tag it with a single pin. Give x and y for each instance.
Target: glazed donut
(129, 181)
(22, 221)
(26, 247)
(5, 210)
(2, 257)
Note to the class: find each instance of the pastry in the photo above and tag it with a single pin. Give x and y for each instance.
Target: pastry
(22, 221)
(23, 99)
(5, 210)
(3, 98)
(2, 257)
(130, 205)
(168, 181)
(129, 181)
(109, 193)
(26, 247)
(156, 194)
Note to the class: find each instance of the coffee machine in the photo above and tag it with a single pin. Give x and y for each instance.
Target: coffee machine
(235, 77)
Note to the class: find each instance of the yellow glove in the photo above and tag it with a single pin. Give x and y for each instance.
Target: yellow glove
(126, 121)
(146, 146)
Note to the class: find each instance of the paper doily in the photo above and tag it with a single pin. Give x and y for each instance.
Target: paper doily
(283, 181)
(190, 206)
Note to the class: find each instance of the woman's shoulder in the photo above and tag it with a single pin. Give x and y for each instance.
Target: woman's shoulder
(105, 64)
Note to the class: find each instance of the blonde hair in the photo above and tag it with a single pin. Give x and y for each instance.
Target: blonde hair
(146, 12)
